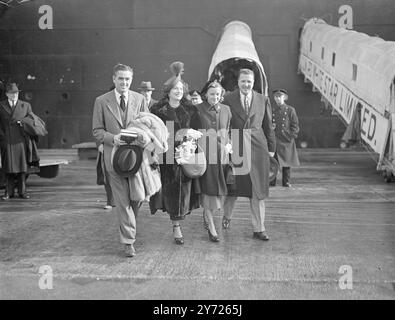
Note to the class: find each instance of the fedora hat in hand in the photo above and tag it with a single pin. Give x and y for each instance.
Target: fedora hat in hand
(146, 86)
(127, 160)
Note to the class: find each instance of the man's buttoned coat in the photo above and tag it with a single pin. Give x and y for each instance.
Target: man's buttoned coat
(255, 140)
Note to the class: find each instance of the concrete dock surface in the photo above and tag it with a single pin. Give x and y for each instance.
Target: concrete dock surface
(332, 236)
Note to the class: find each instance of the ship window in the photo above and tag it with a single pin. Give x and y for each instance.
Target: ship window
(354, 71)
(311, 46)
(333, 59)
(322, 53)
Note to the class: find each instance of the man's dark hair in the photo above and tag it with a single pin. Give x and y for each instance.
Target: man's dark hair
(246, 71)
(121, 67)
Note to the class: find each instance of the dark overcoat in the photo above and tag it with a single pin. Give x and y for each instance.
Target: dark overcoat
(179, 194)
(12, 136)
(254, 140)
(215, 120)
(151, 103)
(286, 127)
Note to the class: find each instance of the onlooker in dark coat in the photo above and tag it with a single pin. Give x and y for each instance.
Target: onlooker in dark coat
(146, 90)
(195, 97)
(13, 141)
(286, 127)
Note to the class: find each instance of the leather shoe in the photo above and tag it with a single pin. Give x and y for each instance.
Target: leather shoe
(24, 196)
(5, 197)
(261, 236)
(129, 250)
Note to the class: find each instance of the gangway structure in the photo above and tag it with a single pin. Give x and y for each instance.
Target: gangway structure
(355, 75)
(235, 50)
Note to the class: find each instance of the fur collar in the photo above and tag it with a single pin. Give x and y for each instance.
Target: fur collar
(184, 112)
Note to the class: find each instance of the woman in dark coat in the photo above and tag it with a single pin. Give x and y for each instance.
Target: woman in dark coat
(178, 196)
(215, 121)
(286, 128)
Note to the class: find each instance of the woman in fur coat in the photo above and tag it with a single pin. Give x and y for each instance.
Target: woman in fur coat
(178, 196)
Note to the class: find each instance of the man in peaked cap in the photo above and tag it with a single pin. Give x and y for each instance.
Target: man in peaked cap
(146, 90)
(13, 142)
(195, 97)
(114, 111)
(286, 128)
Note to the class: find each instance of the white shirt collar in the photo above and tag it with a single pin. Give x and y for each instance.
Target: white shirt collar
(249, 95)
(118, 97)
(12, 103)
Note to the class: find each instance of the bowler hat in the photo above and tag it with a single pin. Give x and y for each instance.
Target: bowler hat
(146, 86)
(273, 169)
(127, 160)
(280, 90)
(11, 87)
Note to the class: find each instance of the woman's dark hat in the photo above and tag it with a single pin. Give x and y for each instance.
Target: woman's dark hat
(273, 169)
(176, 69)
(127, 160)
(146, 86)
(11, 88)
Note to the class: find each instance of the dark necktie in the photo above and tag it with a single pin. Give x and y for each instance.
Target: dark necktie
(246, 104)
(122, 103)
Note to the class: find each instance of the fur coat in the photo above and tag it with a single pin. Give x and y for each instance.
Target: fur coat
(179, 194)
(153, 136)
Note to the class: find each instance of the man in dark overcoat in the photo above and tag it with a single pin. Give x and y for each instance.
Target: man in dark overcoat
(146, 90)
(286, 128)
(13, 141)
(252, 120)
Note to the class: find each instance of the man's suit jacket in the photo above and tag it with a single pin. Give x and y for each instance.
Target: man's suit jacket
(107, 121)
(259, 138)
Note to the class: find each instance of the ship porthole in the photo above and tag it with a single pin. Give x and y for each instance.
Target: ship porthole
(65, 96)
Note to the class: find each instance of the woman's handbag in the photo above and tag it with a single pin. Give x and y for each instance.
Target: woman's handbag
(196, 165)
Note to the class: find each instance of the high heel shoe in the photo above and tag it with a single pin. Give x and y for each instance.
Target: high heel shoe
(212, 237)
(178, 240)
(225, 223)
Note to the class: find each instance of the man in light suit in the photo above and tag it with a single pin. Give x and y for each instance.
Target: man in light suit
(251, 117)
(112, 112)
